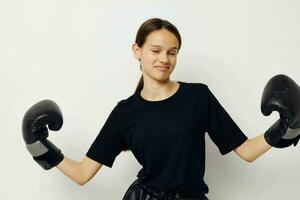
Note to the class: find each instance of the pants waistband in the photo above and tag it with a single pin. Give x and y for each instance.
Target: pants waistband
(172, 195)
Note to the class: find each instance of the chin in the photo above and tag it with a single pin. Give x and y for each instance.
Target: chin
(163, 79)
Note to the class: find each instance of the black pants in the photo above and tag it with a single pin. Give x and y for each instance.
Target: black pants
(139, 191)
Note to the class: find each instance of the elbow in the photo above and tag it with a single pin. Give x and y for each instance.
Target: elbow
(250, 160)
(81, 182)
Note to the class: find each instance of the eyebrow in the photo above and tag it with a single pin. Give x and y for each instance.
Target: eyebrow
(160, 46)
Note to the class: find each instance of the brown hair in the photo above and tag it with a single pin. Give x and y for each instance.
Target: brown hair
(145, 29)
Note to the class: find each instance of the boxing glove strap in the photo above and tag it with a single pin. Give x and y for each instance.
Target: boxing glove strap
(291, 133)
(37, 148)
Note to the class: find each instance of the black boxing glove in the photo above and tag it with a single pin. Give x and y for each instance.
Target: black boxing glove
(282, 94)
(35, 132)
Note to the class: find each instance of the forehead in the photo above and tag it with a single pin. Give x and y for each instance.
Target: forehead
(162, 38)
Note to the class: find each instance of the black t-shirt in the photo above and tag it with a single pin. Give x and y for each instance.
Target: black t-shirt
(167, 137)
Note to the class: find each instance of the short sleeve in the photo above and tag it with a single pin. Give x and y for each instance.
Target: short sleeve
(109, 142)
(220, 127)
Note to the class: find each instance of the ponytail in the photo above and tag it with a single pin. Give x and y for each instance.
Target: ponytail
(140, 84)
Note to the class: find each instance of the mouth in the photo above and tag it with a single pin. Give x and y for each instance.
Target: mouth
(162, 68)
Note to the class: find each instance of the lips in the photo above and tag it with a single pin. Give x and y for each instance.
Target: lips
(162, 68)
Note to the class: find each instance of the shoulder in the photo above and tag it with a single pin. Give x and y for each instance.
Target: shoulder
(127, 102)
(200, 92)
(196, 87)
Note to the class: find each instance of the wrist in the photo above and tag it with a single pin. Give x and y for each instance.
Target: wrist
(51, 157)
(275, 132)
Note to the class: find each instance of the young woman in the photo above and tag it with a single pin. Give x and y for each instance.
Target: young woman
(163, 123)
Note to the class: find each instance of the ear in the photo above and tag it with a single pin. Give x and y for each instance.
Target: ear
(136, 51)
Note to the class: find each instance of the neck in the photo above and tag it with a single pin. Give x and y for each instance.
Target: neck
(154, 90)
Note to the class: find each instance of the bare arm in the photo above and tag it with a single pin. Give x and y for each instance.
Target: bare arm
(79, 172)
(253, 148)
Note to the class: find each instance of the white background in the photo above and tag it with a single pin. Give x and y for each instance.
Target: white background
(78, 53)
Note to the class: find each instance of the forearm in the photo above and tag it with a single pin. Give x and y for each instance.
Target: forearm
(72, 169)
(257, 146)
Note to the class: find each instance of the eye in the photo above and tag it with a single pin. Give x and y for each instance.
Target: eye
(155, 51)
(172, 53)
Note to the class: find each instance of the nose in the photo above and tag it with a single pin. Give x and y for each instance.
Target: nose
(163, 58)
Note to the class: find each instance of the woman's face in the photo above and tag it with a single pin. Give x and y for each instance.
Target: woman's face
(158, 54)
